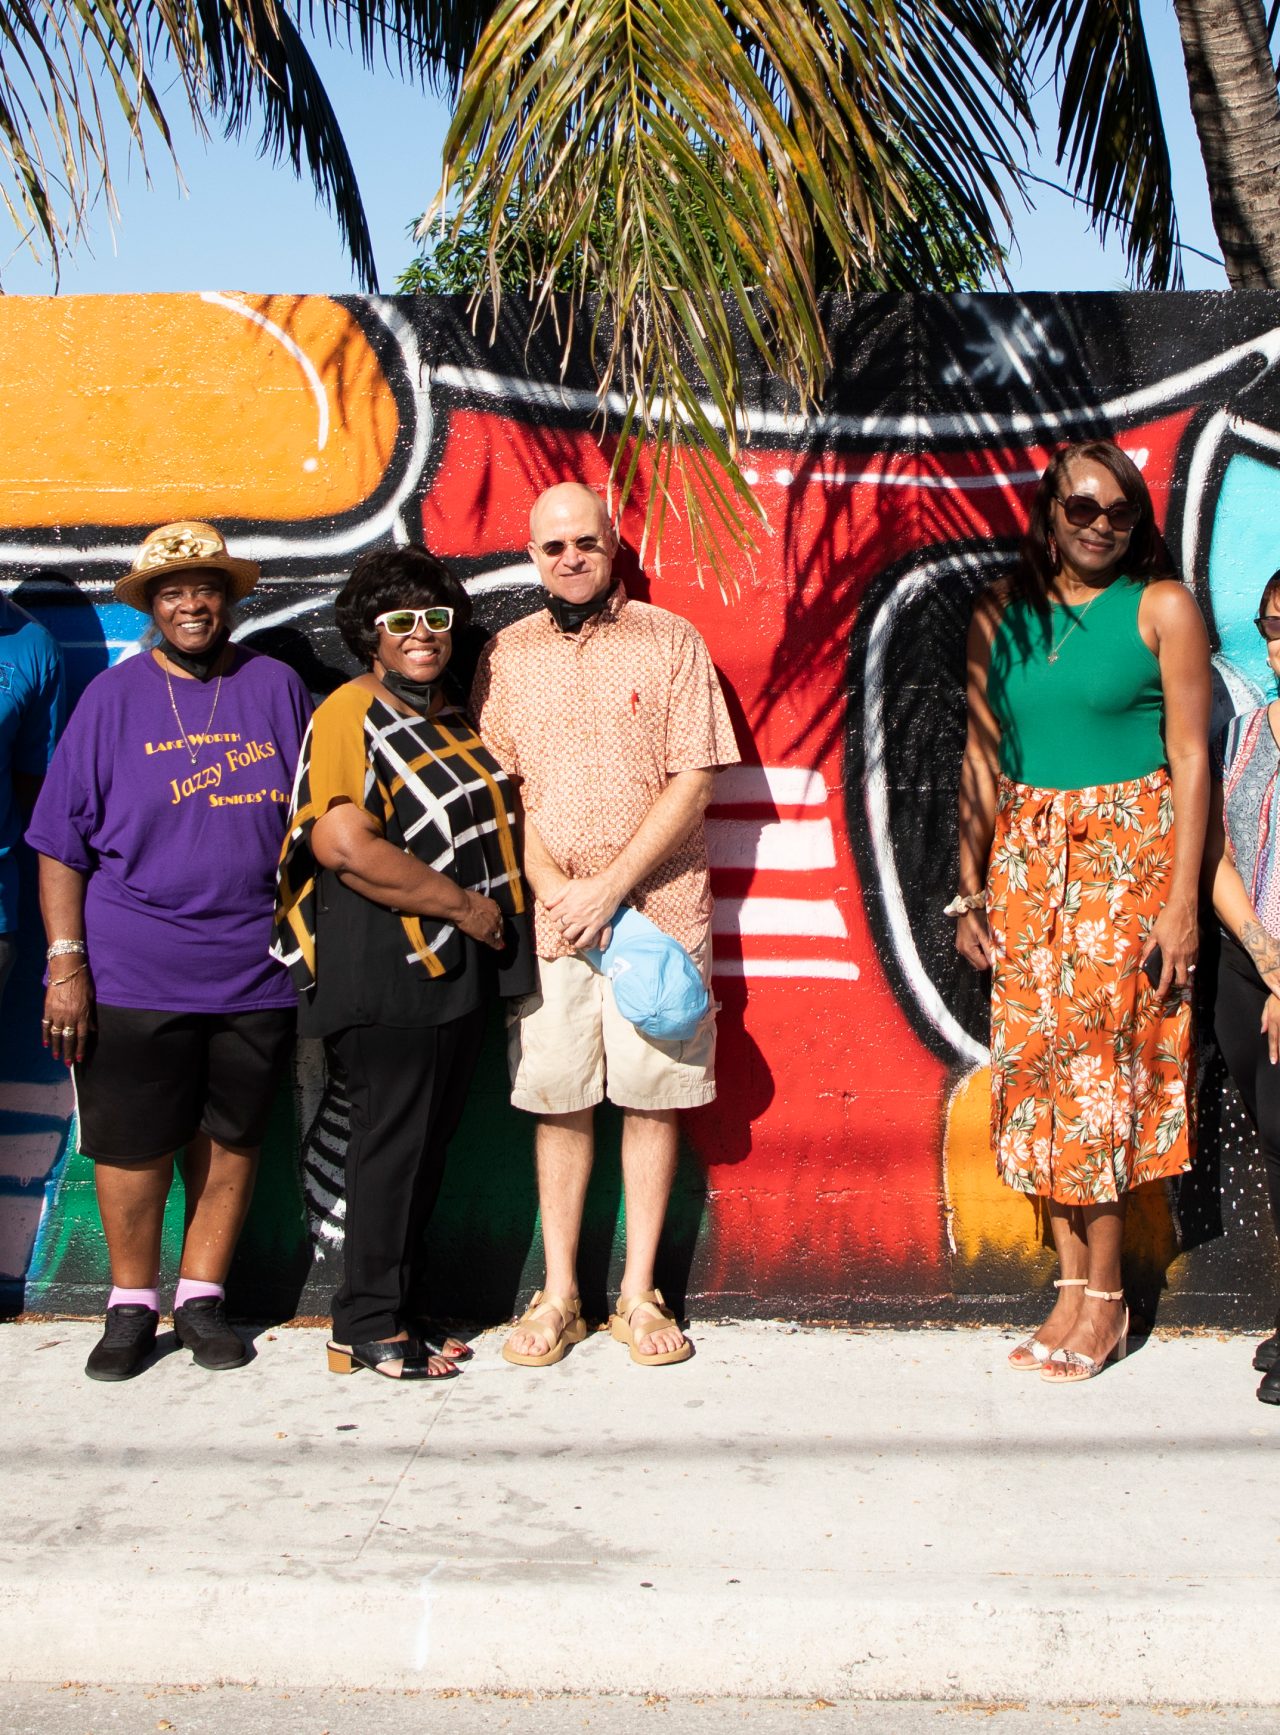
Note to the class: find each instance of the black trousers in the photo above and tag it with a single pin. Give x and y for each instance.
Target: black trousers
(407, 1090)
(1237, 1021)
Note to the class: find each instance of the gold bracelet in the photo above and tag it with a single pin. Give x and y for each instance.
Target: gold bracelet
(58, 981)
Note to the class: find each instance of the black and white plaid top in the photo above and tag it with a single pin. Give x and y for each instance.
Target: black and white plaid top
(437, 793)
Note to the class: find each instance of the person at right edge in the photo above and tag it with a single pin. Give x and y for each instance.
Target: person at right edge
(1083, 802)
(609, 714)
(1242, 869)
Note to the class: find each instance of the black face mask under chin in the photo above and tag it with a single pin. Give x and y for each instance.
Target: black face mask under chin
(417, 695)
(571, 617)
(198, 663)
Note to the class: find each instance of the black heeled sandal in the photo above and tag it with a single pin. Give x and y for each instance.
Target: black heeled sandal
(434, 1338)
(415, 1356)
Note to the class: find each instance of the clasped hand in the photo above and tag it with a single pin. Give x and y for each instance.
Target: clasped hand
(583, 909)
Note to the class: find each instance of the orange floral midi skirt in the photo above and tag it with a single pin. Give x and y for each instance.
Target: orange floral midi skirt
(1089, 1067)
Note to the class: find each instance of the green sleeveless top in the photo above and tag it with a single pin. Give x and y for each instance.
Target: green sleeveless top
(1077, 704)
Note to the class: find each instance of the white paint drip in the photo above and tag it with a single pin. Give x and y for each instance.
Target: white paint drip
(235, 304)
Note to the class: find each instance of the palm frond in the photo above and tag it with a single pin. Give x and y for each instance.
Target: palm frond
(731, 141)
(1110, 133)
(64, 62)
(428, 40)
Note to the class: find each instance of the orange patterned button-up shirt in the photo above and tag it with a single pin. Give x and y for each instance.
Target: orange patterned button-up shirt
(595, 724)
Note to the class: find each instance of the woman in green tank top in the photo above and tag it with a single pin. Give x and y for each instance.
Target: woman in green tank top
(1083, 801)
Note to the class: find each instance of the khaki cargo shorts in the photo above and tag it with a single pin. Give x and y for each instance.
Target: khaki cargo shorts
(568, 1047)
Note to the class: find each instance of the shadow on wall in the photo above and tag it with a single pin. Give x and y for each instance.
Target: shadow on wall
(36, 1099)
(483, 1249)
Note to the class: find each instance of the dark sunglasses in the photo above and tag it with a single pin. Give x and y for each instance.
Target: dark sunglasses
(1268, 625)
(400, 622)
(584, 545)
(1083, 510)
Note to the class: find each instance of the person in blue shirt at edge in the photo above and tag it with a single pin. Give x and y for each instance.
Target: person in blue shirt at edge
(32, 712)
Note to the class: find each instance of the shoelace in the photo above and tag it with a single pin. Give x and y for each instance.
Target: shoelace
(123, 1328)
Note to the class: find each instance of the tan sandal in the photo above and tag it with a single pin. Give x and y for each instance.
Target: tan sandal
(1030, 1355)
(1067, 1367)
(621, 1327)
(573, 1328)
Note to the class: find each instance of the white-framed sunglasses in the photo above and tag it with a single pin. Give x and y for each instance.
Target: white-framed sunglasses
(400, 622)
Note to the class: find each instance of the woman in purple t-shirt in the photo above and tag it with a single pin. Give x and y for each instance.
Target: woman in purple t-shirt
(158, 828)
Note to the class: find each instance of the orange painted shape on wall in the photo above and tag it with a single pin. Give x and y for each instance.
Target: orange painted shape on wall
(132, 409)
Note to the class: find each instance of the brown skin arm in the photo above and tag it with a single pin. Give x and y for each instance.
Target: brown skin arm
(583, 908)
(68, 1000)
(1172, 626)
(349, 842)
(979, 774)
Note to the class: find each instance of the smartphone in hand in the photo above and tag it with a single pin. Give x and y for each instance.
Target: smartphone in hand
(1154, 966)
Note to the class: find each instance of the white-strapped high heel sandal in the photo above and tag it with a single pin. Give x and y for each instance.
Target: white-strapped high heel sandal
(1076, 1367)
(1036, 1354)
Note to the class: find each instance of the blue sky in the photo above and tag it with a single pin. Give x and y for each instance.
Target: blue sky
(243, 224)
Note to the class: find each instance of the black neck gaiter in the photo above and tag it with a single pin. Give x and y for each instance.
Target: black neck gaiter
(416, 694)
(571, 617)
(201, 664)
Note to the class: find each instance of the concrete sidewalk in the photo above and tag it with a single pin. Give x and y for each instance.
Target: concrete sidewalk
(793, 1512)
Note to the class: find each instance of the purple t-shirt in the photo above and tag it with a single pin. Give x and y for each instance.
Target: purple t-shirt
(180, 858)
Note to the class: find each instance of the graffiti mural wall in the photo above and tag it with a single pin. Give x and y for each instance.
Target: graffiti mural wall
(844, 1172)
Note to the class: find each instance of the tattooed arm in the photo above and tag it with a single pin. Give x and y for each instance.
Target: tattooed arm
(1231, 901)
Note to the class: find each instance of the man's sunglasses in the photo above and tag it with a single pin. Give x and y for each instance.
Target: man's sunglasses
(1083, 510)
(400, 622)
(584, 545)
(1268, 625)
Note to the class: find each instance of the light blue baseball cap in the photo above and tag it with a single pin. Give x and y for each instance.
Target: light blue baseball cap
(655, 983)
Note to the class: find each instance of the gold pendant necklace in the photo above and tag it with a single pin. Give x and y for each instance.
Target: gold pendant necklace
(186, 739)
(1056, 650)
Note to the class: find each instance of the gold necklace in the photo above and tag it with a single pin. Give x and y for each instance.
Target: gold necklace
(1056, 650)
(186, 739)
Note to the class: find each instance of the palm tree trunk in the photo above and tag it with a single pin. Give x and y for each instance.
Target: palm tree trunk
(1237, 116)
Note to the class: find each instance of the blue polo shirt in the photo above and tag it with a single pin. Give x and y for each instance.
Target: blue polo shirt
(32, 712)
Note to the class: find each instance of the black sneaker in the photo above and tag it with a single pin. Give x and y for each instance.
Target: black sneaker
(1267, 1353)
(126, 1343)
(201, 1326)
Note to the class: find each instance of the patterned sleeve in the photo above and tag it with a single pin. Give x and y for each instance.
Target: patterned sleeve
(490, 710)
(332, 767)
(699, 733)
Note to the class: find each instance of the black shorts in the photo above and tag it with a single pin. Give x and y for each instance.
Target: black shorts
(152, 1080)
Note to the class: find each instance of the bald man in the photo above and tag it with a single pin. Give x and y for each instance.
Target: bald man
(609, 714)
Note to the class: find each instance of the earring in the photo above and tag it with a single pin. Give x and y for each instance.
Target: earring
(1054, 558)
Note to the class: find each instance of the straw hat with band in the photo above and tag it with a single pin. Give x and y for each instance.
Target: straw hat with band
(187, 546)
